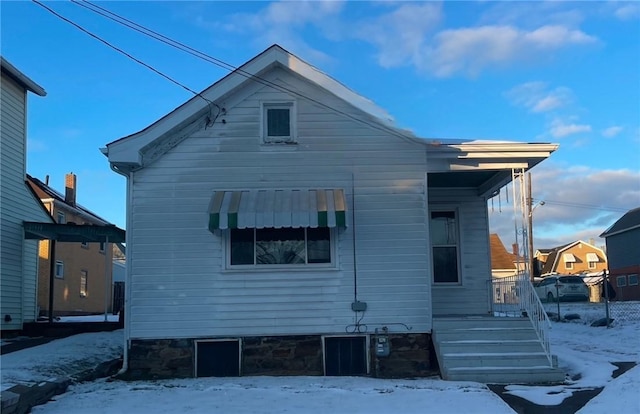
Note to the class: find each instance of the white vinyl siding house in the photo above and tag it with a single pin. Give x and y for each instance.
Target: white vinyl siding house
(261, 301)
(204, 197)
(18, 256)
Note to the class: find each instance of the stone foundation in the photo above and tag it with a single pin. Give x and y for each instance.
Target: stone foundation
(282, 355)
(279, 355)
(410, 356)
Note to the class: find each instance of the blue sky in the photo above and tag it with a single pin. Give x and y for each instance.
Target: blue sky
(562, 72)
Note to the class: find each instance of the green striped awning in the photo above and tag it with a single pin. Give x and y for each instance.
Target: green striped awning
(241, 209)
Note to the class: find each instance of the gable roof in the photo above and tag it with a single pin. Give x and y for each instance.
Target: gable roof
(500, 257)
(274, 56)
(22, 79)
(556, 253)
(486, 165)
(44, 192)
(629, 221)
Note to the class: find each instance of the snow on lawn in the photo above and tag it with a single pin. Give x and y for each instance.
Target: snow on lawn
(253, 395)
(586, 353)
(61, 357)
(89, 318)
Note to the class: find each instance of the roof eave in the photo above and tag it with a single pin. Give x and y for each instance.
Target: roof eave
(21, 78)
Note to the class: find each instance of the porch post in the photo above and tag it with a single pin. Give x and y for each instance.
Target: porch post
(52, 270)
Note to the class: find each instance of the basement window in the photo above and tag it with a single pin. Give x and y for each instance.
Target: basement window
(621, 281)
(218, 358)
(345, 355)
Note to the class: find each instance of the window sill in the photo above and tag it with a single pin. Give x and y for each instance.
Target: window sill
(447, 285)
(279, 146)
(286, 269)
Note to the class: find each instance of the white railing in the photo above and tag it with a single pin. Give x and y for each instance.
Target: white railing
(514, 296)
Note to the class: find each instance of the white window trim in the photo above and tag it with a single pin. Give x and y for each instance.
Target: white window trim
(333, 265)
(59, 215)
(568, 265)
(293, 130)
(59, 265)
(367, 350)
(636, 279)
(102, 247)
(623, 279)
(444, 209)
(86, 283)
(593, 265)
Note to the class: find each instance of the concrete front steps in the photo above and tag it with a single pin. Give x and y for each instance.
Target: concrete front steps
(492, 350)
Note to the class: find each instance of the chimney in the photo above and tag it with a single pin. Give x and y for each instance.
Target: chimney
(514, 248)
(70, 189)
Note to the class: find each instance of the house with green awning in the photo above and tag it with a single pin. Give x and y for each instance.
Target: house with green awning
(280, 223)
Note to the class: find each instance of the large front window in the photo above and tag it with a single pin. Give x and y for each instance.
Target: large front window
(280, 246)
(444, 242)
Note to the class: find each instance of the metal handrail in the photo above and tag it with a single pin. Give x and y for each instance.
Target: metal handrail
(515, 296)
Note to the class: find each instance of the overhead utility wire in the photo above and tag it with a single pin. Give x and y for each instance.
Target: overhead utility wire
(587, 206)
(220, 63)
(124, 53)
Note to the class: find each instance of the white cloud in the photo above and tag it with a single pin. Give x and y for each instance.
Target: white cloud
(36, 145)
(559, 129)
(401, 35)
(470, 50)
(628, 11)
(537, 97)
(280, 22)
(580, 203)
(612, 131)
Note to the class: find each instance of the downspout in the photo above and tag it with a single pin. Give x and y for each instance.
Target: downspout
(127, 284)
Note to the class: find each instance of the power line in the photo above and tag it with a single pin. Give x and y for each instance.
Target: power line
(119, 50)
(222, 64)
(586, 206)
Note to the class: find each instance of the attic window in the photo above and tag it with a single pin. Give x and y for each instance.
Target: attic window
(278, 123)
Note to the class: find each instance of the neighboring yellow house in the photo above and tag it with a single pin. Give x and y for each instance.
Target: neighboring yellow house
(81, 271)
(574, 258)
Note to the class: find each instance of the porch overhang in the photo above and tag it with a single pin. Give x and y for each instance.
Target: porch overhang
(73, 232)
(287, 208)
(483, 165)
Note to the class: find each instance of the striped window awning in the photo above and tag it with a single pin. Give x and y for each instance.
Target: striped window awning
(569, 258)
(592, 258)
(241, 209)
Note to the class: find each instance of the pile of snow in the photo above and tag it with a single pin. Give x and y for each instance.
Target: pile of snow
(62, 357)
(251, 395)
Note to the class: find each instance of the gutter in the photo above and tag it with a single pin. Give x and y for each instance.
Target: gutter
(127, 284)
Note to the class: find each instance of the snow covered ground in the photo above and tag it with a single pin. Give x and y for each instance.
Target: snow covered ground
(584, 351)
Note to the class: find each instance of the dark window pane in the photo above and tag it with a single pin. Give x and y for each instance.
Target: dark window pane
(241, 246)
(278, 122)
(319, 245)
(280, 246)
(445, 264)
(443, 228)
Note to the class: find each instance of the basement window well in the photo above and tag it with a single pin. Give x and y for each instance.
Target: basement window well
(345, 355)
(218, 358)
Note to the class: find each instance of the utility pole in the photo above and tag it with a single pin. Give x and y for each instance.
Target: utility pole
(529, 225)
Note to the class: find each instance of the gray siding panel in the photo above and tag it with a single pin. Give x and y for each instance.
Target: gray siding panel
(623, 250)
(17, 204)
(180, 284)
